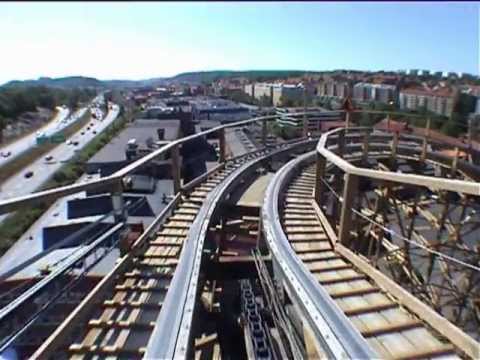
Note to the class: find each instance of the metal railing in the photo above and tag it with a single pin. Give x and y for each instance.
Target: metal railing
(114, 183)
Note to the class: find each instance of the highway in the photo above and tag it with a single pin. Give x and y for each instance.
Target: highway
(18, 185)
(60, 121)
(25, 143)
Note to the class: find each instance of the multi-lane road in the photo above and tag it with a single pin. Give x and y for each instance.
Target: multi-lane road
(25, 143)
(59, 122)
(42, 169)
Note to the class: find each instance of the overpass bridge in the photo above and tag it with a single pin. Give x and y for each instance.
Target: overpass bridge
(364, 244)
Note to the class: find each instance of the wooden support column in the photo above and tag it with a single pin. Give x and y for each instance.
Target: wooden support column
(470, 135)
(223, 235)
(176, 166)
(393, 156)
(347, 119)
(264, 132)
(350, 190)
(341, 143)
(305, 120)
(118, 203)
(425, 141)
(455, 162)
(221, 137)
(320, 173)
(366, 139)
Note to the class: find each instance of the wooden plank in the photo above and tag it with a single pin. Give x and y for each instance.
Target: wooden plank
(392, 328)
(424, 312)
(370, 309)
(340, 279)
(357, 292)
(425, 354)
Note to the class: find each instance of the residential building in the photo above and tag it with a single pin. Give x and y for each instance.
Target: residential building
(275, 92)
(384, 93)
(286, 92)
(249, 89)
(339, 89)
(262, 90)
(439, 100)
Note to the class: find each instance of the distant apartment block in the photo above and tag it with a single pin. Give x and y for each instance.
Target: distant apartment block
(275, 92)
(286, 92)
(334, 89)
(262, 90)
(249, 89)
(374, 92)
(439, 100)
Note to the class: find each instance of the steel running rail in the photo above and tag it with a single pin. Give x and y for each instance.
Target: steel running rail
(171, 337)
(338, 337)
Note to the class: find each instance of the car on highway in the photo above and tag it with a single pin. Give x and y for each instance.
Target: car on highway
(6, 153)
(75, 143)
(69, 142)
(82, 133)
(94, 132)
(49, 158)
(28, 174)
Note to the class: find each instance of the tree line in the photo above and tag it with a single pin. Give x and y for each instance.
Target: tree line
(16, 101)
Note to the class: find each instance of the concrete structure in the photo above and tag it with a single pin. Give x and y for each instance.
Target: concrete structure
(263, 90)
(338, 89)
(374, 92)
(282, 92)
(218, 109)
(276, 92)
(249, 89)
(439, 100)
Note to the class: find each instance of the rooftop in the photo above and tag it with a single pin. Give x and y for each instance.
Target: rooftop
(442, 91)
(141, 130)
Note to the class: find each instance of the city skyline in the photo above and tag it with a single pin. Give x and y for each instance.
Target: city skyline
(148, 40)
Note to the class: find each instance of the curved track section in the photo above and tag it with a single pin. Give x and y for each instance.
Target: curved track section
(145, 306)
(338, 338)
(346, 300)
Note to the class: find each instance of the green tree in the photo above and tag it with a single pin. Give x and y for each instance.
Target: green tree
(286, 102)
(265, 101)
(454, 126)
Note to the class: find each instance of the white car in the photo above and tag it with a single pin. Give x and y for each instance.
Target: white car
(69, 142)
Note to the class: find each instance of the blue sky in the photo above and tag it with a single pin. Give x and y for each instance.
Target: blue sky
(141, 40)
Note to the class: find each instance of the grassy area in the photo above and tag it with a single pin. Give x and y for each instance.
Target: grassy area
(16, 224)
(36, 152)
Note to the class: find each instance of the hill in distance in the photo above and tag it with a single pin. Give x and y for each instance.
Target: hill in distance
(209, 76)
(197, 77)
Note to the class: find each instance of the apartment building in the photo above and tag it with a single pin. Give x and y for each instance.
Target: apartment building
(249, 89)
(287, 92)
(384, 93)
(263, 90)
(439, 100)
(275, 91)
(339, 89)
